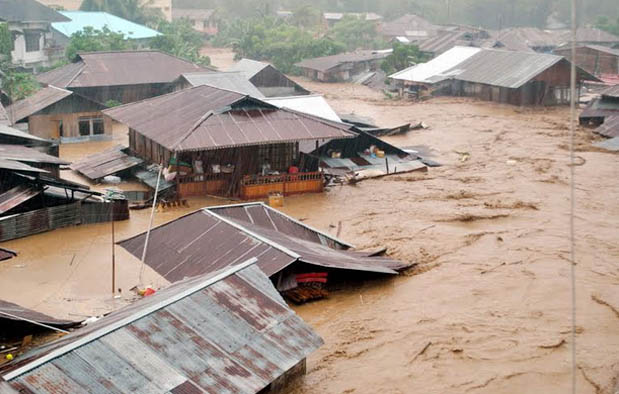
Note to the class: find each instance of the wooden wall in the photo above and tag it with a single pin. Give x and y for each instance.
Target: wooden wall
(47, 126)
(592, 60)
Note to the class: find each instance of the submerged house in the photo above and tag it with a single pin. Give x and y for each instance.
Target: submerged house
(30, 22)
(596, 59)
(228, 331)
(119, 76)
(344, 66)
(269, 80)
(79, 20)
(518, 78)
(295, 256)
(603, 113)
(220, 142)
(60, 114)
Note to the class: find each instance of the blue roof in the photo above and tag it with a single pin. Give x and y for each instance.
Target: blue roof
(97, 20)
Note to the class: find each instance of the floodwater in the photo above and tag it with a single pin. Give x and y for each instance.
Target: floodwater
(487, 308)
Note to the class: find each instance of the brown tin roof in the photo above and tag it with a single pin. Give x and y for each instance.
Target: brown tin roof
(108, 162)
(43, 98)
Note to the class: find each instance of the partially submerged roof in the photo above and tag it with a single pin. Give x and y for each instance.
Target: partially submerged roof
(28, 11)
(78, 20)
(428, 72)
(225, 332)
(28, 155)
(313, 104)
(494, 67)
(109, 162)
(11, 311)
(213, 238)
(235, 81)
(611, 144)
(249, 67)
(610, 127)
(326, 63)
(612, 91)
(43, 98)
(207, 118)
(118, 68)
(6, 254)
(17, 196)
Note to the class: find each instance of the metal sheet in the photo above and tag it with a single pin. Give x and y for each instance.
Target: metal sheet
(17, 196)
(62, 76)
(326, 63)
(234, 81)
(612, 91)
(28, 11)
(28, 155)
(610, 127)
(108, 162)
(98, 20)
(610, 144)
(220, 336)
(8, 134)
(38, 101)
(248, 67)
(6, 254)
(17, 166)
(19, 311)
(437, 66)
(310, 104)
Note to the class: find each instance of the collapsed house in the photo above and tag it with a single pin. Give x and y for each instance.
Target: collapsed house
(299, 260)
(119, 76)
(113, 161)
(595, 59)
(270, 81)
(60, 114)
(603, 113)
(344, 66)
(228, 331)
(518, 78)
(225, 143)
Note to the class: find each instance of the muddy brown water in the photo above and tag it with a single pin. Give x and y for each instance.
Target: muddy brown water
(487, 309)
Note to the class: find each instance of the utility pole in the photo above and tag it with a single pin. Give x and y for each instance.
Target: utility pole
(113, 253)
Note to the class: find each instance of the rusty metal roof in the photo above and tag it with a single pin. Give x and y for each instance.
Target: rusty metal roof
(17, 196)
(225, 332)
(206, 118)
(13, 165)
(28, 155)
(28, 11)
(38, 101)
(12, 135)
(214, 238)
(326, 63)
(610, 127)
(119, 68)
(108, 162)
(235, 81)
(10, 311)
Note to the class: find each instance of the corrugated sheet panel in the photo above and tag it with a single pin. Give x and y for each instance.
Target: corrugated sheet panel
(610, 127)
(310, 104)
(14, 134)
(61, 76)
(612, 91)
(17, 166)
(590, 34)
(38, 101)
(108, 162)
(9, 309)
(98, 20)
(6, 254)
(17, 196)
(28, 11)
(28, 155)
(610, 144)
(249, 67)
(326, 63)
(424, 72)
(224, 337)
(235, 81)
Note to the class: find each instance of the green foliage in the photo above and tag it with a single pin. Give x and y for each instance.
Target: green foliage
(19, 85)
(307, 16)
(356, 33)
(93, 40)
(112, 103)
(6, 42)
(54, 66)
(180, 39)
(278, 42)
(403, 56)
(604, 23)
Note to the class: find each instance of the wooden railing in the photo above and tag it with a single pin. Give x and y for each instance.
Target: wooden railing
(254, 186)
(203, 184)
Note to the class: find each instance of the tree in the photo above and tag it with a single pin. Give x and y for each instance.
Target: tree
(307, 16)
(94, 40)
(403, 56)
(180, 39)
(356, 33)
(604, 23)
(19, 85)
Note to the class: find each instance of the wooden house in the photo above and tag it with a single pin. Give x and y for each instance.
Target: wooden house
(596, 59)
(220, 142)
(60, 114)
(342, 67)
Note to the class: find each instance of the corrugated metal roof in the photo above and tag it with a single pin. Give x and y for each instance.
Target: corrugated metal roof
(17, 196)
(192, 13)
(235, 81)
(600, 108)
(407, 24)
(11, 133)
(610, 127)
(78, 20)
(226, 332)
(566, 50)
(201, 118)
(27, 11)
(527, 38)
(28, 155)
(427, 72)
(326, 63)
(310, 104)
(119, 68)
(610, 144)
(612, 91)
(590, 34)
(43, 98)
(13, 165)
(11, 311)
(214, 238)
(249, 67)
(108, 162)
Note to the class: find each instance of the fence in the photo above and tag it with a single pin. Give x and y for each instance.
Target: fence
(47, 219)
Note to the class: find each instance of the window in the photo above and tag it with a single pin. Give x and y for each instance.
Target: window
(33, 41)
(91, 126)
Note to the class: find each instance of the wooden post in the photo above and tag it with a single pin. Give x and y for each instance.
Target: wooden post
(387, 164)
(113, 253)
